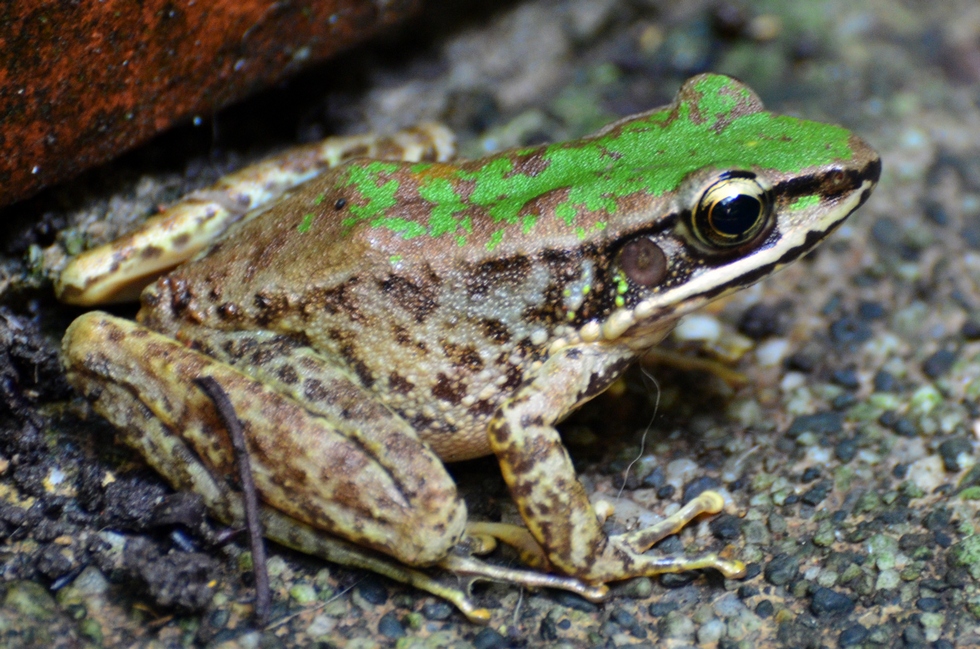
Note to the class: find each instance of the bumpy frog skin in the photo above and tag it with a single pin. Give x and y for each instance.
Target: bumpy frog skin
(387, 316)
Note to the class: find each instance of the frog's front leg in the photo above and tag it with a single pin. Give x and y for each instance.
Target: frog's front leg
(553, 503)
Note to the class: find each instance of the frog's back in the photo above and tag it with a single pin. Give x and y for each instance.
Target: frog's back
(442, 334)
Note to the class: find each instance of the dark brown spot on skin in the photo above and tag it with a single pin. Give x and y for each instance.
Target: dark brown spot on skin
(349, 352)
(334, 300)
(463, 356)
(601, 380)
(399, 384)
(446, 389)
(420, 422)
(151, 252)
(417, 301)
(496, 274)
(229, 311)
(401, 336)
(287, 374)
(263, 357)
(180, 294)
(181, 240)
(500, 432)
(115, 334)
(495, 330)
(527, 421)
(482, 408)
(514, 378)
(271, 307)
(314, 391)
(530, 164)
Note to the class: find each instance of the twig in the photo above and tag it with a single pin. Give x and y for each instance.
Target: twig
(217, 394)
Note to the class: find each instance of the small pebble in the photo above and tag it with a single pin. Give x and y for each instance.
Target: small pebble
(765, 609)
(548, 630)
(655, 479)
(830, 602)
(437, 611)
(745, 592)
(885, 382)
(843, 401)
(850, 331)
(782, 569)
(390, 627)
(752, 570)
(871, 311)
(929, 604)
(811, 474)
(913, 635)
(816, 494)
(971, 330)
(821, 423)
(698, 486)
(725, 527)
(846, 450)
(852, 635)
(660, 609)
(676, 580)
(951, 451)
(847, 379)
(488, 638)
(939, 363)
(763, 320)
(373, 591)
(937, 519)
(573, 601)
(906, 428)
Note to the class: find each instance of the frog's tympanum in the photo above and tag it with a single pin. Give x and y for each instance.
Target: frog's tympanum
(386, 316)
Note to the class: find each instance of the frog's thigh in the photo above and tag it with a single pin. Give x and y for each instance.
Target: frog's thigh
(395, 497)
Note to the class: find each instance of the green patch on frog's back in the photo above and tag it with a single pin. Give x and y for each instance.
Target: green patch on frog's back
(715, 122)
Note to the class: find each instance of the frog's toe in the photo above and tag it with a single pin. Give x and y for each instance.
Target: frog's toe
(628, 558)
(707, 502)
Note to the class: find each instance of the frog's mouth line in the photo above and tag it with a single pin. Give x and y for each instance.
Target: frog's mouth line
(745, 271)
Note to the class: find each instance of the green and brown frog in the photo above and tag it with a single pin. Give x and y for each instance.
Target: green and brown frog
(373, 320)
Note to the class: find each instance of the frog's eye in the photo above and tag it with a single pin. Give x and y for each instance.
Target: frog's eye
(732, 210)
(643, 262)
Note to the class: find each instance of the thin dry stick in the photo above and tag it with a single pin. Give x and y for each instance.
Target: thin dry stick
(217, 394)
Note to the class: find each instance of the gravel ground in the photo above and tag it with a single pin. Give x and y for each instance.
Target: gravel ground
(845, 445)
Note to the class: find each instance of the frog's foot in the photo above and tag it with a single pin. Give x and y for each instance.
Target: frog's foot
(689, 363)
(470, 567)
(484, 537)
(305, 539)
(638, 542)
(118, 271)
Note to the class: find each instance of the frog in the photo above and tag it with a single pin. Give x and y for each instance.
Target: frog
(373, 318)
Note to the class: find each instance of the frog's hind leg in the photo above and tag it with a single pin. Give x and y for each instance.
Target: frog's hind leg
(118, 271)
(365, 477)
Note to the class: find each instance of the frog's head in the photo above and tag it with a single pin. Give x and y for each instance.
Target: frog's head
(753, 192)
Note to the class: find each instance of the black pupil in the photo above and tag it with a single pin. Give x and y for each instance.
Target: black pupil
(734, 215)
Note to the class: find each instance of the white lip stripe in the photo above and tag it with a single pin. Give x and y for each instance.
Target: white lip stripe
(706, 282)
